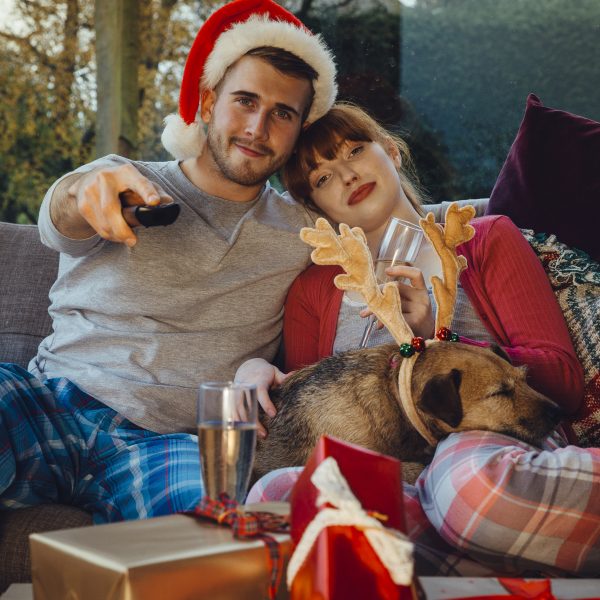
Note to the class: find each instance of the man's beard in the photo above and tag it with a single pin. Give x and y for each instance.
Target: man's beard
(242, 174)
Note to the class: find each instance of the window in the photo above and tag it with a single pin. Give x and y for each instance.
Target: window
(453, 75)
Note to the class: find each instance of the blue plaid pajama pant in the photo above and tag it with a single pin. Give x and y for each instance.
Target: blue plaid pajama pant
(60, 445)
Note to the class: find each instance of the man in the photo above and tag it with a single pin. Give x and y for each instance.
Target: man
(141, 318)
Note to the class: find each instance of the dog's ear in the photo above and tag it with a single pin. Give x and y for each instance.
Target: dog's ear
(499, 351)
(441, 398)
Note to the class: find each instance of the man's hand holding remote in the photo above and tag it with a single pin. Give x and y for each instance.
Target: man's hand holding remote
(98, 201)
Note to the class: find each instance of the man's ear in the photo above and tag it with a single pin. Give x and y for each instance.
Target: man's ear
(441, 398)
(208, 99)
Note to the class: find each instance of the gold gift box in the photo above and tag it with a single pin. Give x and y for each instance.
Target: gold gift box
(173, 557)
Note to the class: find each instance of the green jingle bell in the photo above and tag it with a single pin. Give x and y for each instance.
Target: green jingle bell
(406, 350)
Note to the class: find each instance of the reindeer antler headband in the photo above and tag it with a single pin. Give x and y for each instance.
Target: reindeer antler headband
(350, 251)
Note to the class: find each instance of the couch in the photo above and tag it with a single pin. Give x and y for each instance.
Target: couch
(552, 161)
(27, 273)
(28, 270)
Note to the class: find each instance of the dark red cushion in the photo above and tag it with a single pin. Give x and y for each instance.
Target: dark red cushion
(550, 181)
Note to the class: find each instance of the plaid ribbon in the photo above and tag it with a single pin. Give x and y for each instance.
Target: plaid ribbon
(226, 511)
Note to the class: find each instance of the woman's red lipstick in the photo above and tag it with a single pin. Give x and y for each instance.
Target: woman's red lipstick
(360, 193)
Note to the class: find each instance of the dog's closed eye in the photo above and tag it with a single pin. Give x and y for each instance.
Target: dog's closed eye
(504, 390)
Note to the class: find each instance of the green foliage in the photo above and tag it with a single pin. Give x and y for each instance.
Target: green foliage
(43, 114)
(48, 91)
(167, 30)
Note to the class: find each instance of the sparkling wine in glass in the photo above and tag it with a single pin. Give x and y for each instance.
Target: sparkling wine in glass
(399, 246)
(227, 429)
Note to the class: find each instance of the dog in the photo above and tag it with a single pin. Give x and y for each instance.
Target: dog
(354, 396)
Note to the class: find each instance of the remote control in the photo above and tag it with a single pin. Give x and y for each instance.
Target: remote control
(152, 216)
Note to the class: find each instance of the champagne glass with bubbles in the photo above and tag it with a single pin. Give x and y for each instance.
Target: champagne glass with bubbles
(227, 428)
(399, 246)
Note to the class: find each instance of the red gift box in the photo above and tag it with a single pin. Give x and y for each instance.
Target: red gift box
(342, 563)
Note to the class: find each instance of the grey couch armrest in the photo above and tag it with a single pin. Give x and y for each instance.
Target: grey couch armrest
(27, 273)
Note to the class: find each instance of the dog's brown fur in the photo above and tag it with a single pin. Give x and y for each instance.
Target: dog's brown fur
(354, 396)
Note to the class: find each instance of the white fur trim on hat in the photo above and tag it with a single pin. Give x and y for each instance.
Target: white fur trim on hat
(182, 140)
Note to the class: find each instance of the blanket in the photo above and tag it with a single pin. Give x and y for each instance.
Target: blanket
(575, 280)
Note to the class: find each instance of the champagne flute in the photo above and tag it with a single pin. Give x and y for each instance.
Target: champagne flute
(227, 428)
(399, 246)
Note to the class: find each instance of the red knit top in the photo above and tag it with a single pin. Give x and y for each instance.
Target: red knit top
(508, 288)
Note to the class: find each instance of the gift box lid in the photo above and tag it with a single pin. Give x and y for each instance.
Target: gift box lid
(132, 544)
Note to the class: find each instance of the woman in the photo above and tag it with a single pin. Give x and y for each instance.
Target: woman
(351, 170)
(508, 505)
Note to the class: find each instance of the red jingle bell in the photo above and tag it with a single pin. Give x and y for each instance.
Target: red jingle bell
(443, 334)
(418, 343)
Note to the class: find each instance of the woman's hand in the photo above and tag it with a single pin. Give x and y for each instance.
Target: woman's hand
(416, 306)
(264, 376)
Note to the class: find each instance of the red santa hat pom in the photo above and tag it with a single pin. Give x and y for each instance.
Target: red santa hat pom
(227, 35)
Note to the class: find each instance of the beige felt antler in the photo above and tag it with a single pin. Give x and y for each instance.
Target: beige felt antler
(444, 239)
(349, 250)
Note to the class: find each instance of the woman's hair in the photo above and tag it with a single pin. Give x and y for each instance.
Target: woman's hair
(322, 139)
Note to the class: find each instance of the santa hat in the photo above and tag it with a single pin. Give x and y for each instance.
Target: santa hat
(227, 35)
